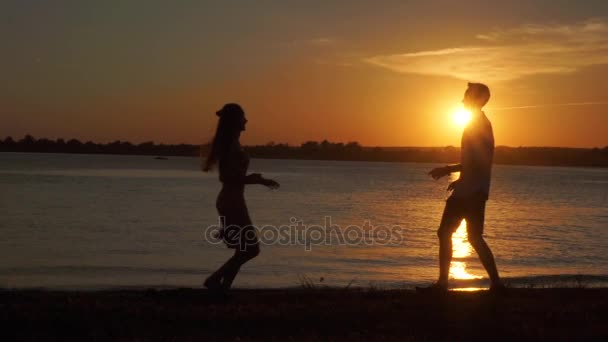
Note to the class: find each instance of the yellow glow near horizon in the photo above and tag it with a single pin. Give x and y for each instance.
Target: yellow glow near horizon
(461, 116)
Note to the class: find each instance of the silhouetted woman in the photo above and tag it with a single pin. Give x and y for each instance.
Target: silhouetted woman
(237, 230)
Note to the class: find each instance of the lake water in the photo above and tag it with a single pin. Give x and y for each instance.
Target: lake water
(98, 221)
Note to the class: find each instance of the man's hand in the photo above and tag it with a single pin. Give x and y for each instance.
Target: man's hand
(439, 172)
(453, 185)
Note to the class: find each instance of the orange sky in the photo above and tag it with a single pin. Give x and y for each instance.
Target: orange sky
(380, 75)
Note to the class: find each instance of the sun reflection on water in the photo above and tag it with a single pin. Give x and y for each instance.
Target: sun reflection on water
(469, 289)
(461, 249)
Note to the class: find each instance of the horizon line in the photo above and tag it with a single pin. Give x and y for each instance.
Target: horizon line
(332, 142)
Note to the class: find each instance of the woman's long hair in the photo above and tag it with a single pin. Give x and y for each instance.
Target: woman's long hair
(228, 126)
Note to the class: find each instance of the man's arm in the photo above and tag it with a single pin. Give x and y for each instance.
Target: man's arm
(453, 168)
(444, 171)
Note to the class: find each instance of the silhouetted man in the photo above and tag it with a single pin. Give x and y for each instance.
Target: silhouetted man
(470, 191)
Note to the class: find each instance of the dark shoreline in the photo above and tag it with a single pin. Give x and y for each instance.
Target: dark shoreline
(322, 150)
(303, 314)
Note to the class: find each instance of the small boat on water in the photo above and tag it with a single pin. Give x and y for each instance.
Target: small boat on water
(161, 158)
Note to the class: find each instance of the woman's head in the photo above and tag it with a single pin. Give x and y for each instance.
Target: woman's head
(231, 122)
(232, 118)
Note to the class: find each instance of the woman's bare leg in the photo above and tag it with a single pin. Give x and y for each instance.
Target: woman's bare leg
(233, 265)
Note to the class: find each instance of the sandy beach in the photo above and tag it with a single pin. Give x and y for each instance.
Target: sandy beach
(303, 314)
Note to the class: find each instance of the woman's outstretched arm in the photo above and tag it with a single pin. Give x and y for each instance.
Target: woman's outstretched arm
(234, 176)
(256, 178)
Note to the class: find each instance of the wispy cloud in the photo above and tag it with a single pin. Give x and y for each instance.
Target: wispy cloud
(504, 55)
(568, 104)
(314, 43)
(322, 41)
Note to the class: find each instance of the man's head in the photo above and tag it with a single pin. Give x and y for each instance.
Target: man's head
(476, 96)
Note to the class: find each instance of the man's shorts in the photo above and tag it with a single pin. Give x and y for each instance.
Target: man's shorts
(472, 209)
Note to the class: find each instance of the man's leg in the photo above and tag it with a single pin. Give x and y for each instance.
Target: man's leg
(475, 222)
(449, 223)
(445, 257)
(486, 257)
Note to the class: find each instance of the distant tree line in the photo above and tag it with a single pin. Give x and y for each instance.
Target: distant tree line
(43, 145)
(324, 150)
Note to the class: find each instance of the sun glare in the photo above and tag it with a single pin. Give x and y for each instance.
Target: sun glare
(461, 116)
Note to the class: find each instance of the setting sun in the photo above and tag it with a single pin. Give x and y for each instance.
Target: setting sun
(461, 116)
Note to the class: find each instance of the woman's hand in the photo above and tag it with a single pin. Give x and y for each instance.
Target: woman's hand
(270, 183)
(255, 178)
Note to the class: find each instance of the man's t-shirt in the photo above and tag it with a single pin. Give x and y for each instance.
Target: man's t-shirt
(477, 152)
